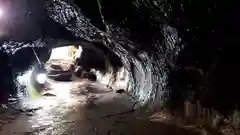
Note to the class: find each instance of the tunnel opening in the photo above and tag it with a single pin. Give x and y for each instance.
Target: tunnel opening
(72, 64)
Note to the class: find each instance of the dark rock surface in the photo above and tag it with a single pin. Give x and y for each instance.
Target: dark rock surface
(159, 42)
(78, 71)
(7, 81)
(91, 76)
(92, 58)
(62, 76)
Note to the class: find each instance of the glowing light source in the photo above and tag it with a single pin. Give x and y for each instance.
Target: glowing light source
(41, 78)
(1, 12)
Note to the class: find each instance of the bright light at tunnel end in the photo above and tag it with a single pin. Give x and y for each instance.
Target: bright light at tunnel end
(41, 78)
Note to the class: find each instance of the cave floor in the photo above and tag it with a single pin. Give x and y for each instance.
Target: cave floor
(81, 108)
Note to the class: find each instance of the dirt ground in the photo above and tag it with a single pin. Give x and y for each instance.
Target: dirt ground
(81, 108)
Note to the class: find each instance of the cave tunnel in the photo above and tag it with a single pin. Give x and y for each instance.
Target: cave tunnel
(179, 58)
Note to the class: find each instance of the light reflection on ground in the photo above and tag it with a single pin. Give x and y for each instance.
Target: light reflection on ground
(82, 108)
(48, 112)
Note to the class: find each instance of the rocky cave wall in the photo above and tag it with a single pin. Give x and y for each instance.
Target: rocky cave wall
(169, 47)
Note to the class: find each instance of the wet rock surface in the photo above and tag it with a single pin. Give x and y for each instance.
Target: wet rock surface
(64, 23)
(180, 35)
(100, 112)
